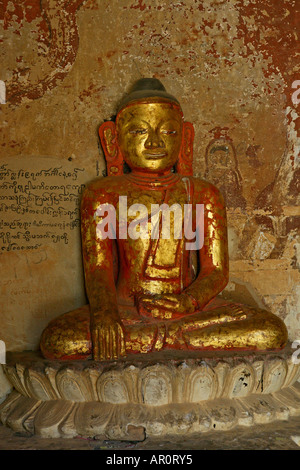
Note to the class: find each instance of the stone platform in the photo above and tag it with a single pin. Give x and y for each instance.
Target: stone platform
(149, 395)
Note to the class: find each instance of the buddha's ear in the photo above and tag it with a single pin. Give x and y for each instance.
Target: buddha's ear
(185, 160)
(113, 156)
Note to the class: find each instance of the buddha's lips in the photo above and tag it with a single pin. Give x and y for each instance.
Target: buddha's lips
(154, 156)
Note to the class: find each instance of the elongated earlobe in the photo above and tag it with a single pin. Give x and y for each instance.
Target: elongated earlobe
(113, 156)
(185, 160)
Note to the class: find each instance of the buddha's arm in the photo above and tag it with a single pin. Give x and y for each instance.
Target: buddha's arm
(214, 264)
(106, 326)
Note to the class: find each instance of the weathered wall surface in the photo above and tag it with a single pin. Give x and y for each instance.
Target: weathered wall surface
(232, 63)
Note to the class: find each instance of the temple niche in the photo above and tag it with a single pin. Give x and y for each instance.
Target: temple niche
(234, 81)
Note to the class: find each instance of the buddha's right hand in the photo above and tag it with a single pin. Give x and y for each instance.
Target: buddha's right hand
(166, 306)
(108, 336)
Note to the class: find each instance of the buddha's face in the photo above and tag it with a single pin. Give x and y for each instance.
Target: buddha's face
(149, 135)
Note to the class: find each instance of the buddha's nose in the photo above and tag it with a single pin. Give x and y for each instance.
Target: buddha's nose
(154, 141)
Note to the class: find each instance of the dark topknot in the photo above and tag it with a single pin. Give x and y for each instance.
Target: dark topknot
(146, 88)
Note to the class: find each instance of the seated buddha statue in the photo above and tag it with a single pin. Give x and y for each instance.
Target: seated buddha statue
(154, 293)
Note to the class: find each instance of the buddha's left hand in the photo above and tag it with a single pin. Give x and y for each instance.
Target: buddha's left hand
(166, 306)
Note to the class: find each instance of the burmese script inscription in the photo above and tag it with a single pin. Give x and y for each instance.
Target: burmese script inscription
(39, 204)
(40, 245)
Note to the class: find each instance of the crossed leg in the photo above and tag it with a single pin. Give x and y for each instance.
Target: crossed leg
(221, 325)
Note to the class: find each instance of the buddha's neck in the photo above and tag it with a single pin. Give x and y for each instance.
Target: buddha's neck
(153, 180)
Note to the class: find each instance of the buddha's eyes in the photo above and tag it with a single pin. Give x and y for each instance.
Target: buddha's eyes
(138, 131)
(142, 131)
(168, 132)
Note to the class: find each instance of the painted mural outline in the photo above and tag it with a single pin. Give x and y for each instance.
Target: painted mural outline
(57, 47)
(221, 169)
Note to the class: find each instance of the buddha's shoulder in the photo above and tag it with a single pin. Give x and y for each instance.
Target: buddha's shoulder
(105, 185)
(204, 188)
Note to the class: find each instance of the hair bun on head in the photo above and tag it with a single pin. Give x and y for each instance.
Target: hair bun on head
(146, 88)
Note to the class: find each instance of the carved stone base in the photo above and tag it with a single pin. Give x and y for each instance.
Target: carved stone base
(149, 395)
